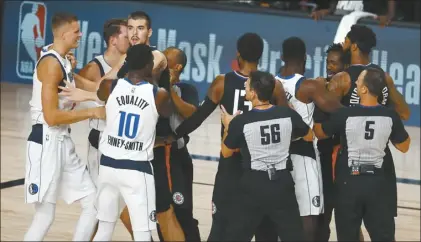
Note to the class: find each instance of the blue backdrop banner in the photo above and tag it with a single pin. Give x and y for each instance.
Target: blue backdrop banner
(207, 36)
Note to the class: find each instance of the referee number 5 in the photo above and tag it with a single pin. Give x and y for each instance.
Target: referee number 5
(270, 134)
(369, 132)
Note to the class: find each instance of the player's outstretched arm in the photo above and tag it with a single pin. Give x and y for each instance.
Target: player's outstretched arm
(89, 77)
(397, 99)
(50, 73)
(159, 65)
(339, 84)
(316, 92)
(212, 99)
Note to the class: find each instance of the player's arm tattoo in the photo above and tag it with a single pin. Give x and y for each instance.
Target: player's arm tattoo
(279, 96)
(50, 74)
(397, 99)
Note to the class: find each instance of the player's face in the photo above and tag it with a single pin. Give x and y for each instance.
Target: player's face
(333, 63)
(72, 34)
(122, 41)
(138, 31)
(361, 88)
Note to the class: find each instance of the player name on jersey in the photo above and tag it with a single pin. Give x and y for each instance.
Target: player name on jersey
(132, 100)
(121, 143)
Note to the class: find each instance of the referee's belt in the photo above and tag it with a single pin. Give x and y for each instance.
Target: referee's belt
(361, 169)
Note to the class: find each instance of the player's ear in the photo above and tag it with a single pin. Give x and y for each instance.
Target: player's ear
(178, 67)
(354, 47)
(150, 32)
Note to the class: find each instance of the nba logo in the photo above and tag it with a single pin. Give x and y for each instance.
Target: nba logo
(31, 37)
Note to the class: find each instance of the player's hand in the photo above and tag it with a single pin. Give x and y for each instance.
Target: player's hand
(72, 59)
(319, 14)
(74, 94)
(98, 113)
(173, 76)
(226, 117)
(384, 20)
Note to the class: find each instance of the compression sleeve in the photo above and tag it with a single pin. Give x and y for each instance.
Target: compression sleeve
(196, 119)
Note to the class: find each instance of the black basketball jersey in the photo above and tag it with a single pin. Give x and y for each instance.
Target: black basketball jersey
(352, 98)
(234, 95)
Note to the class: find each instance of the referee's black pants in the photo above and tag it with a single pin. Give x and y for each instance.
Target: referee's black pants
(258, 197)
(363, 198)
(223, 200)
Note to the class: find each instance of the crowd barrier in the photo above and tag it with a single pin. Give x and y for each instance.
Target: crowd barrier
(208, 37)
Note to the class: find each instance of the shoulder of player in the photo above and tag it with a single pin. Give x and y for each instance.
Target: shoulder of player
(91, 67)
(159, 56)
(50, 65)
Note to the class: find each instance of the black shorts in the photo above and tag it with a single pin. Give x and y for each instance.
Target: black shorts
(181, 178)
(162, 188)
(226, 181)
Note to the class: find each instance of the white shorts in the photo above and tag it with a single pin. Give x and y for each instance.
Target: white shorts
(94, 156)
(138, 190)
(307, 176)
(53, 168)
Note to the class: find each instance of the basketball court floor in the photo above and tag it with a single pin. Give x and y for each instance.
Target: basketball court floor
(204, 147)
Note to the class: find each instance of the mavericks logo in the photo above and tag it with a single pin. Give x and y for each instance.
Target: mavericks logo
(31, 37)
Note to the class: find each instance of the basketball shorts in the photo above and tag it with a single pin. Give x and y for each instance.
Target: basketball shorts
(94, 156)
(53, 169)
(162, 179)
(307, 176)
(135, 183)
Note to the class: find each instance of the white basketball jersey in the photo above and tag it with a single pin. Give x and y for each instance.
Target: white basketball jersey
(304, 109)
(99, 124)
(129, 133)
(35, 103)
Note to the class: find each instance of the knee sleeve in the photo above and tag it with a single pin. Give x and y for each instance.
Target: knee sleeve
(87, 220)
(43, 218)
(105, 231)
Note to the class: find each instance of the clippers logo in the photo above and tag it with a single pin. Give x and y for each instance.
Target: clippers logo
(31, 37)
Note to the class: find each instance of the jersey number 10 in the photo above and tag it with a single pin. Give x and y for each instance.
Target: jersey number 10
(126, 124)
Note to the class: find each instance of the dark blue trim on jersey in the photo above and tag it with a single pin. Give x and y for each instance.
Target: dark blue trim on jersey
(137, 84)
(62, 84)
(263, 110)
(101, 69)
(286, 77)
(36, 134)
(154, 90)
(297, 84)
(113, 84)
(142, 166)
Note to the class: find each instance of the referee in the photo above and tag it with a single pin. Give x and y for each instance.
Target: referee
(361, 183)
(266, 187)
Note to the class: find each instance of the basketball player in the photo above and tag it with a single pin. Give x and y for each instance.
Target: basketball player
(132, 109)
(361, 180)
(139, 26)
(228, 90)
(115, 35)
(337, 60)
(186, 100)
(53, 168)
(359, 41)
(303, 94)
